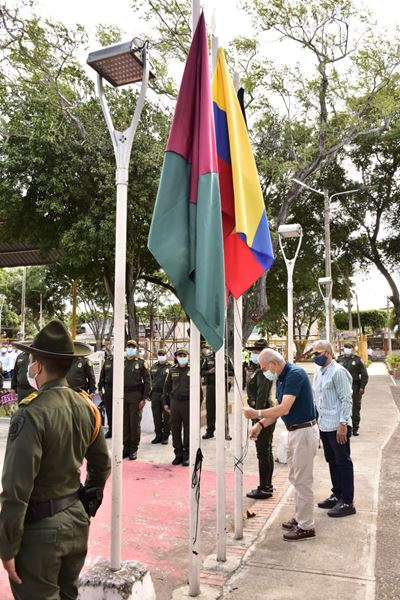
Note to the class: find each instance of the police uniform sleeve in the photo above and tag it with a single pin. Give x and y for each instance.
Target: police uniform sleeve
(204, 368)
(90, 378)
(146, 381)
(263, 391)
(167, 389)
(98, 462)
(364, 375)
(21, 466)
(14, 378)
(102, 377)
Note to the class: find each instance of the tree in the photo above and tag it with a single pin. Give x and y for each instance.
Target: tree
(370, 320)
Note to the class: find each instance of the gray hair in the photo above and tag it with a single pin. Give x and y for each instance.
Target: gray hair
(268, 355)
(323, 345)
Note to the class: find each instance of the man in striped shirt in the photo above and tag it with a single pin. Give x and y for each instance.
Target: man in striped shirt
(333, 397)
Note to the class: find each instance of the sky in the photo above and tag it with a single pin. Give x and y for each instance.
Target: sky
(372, 289)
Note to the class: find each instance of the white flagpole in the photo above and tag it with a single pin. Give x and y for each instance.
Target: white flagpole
(238, 394)
(194, 425)
(220, 408)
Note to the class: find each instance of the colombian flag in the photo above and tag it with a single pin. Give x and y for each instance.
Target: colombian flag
(247, 242)
(186, 229)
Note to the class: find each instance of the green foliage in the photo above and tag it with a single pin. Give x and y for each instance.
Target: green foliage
(393, 361)
(370, 320)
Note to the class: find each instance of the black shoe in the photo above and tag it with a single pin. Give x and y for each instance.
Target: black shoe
(185, 463)
(133, 456)
(177, 460)
(208, 435)
(108, 435)
(342, 510)
(164, 441)
(157, 440)
(125, 453)
(259, 494)
(355, 432)
(228, 438)
(329, 502)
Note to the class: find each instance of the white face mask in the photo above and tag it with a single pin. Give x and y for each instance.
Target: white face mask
(31, 380)
(270, 375)
(347, 351)
(254, 358)
(162, 358)
(182, 360)
(131, 351)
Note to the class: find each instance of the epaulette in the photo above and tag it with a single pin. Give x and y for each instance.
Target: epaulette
(28, 399)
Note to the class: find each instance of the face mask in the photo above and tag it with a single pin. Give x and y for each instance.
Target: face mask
(254, 358)
(320, 360)
(270, 375)
(347, 351)
(9, 348)
(3, 350)
(131, 351)
(182, 360)
(162, 358)
(31, 380)
(205, 352)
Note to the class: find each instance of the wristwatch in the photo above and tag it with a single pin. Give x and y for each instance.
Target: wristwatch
(259, 415)
(343, 423)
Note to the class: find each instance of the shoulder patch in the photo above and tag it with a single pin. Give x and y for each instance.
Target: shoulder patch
(16, 425)
(28, 399)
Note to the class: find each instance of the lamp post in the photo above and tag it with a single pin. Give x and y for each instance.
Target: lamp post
(40, 308)
(286, 232)
(2, 300)
(120, 64)
(327, 205)
(326, 282)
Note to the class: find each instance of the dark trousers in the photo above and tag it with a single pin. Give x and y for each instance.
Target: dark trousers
(162, 427)
(107, 399)
(265, 457)
(132, 420)
(210, 408)
(340, 465)
(356, 407)
(179, 425)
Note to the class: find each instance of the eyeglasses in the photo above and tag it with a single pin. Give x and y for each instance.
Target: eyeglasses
(314, 354)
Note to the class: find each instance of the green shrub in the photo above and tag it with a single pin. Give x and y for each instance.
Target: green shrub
(393, 360)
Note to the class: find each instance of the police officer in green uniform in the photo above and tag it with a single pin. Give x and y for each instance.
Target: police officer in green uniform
(136, 390)
(176, 400)
(105, 388)
(159, 372)
(81, 375)
(355, 366)
(44, 519)
(207, 371)
(259, 397)
(19, 381)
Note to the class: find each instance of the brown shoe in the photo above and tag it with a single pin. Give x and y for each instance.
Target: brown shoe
(298, 534)
(289, 524)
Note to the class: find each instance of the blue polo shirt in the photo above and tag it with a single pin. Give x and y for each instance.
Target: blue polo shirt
(294, 381)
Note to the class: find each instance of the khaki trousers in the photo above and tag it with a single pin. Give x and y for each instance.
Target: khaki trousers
(301, 449)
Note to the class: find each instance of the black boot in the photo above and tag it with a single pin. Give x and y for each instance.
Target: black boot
(264, 490)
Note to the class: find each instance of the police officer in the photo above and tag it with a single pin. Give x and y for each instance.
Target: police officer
(105, 388)
(44, 522)
(259, 397)
(159, 372)
(207, 371)
(176, 396)
(355, 366)
(136, 390)
(81, 375)
(19, 382)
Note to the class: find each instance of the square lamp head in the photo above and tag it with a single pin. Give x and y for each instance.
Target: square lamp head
(293, 230)
(119, 64)
(324, 281)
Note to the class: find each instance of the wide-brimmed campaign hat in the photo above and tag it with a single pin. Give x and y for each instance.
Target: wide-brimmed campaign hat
(54, 341)
(258, 345)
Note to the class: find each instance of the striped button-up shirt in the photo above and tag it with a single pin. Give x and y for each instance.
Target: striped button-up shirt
(333, 396)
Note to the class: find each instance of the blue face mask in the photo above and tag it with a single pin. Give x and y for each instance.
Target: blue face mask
(254, 358)
(320, 360)
(131, 351)
(182, 360)
(270, 375)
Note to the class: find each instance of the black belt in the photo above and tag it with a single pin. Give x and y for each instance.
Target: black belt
(41, 510)
(301, 425)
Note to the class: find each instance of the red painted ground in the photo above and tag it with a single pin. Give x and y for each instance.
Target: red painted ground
(155, 522)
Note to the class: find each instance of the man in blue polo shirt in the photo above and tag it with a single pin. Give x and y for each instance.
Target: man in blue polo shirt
(296, 408)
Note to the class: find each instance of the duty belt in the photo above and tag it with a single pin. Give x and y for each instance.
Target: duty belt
(301, 425)
(41, 510)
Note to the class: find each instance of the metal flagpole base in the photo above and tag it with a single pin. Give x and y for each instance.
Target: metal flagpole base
(132, 581)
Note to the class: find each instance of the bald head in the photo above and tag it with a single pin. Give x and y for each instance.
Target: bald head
(268, 357)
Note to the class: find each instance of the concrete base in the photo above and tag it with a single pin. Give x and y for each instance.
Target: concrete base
(207, 592)
(131, 582)
(228, 566)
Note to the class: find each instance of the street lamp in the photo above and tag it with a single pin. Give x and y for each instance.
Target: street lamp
(2, 300)
(326, 282)
(285, 232)
(120, 64)
(328, 267)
